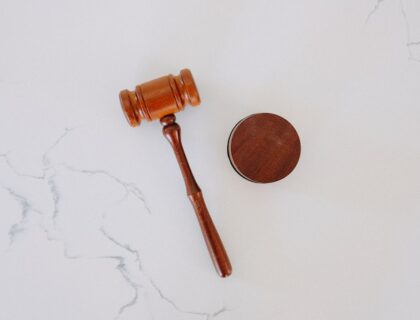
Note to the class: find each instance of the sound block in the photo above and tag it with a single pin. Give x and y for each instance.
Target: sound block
(264, 148)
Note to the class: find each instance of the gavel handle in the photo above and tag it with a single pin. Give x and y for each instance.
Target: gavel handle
(172, 132)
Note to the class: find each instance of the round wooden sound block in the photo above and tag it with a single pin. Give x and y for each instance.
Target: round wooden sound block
(264, 148)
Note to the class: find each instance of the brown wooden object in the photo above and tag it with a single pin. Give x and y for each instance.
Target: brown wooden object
(160, 99)
(155, 99)
(264, 148)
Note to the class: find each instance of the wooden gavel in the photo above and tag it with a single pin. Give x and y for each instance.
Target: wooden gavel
(160, 99)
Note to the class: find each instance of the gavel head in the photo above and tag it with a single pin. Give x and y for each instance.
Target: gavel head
(157, 98)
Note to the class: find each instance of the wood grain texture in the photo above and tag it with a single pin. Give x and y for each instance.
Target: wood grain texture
(264, 148)
(157, 98)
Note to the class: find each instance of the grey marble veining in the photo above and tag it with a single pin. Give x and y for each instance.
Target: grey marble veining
(94, 221)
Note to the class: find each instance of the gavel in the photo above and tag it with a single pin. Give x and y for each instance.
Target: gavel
(160, 99)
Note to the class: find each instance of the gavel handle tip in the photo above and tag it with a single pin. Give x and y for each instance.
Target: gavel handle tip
(211, 236)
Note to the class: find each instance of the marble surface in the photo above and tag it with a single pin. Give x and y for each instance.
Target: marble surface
(94, 221)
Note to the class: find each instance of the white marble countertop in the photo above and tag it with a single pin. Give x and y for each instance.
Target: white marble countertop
(94, 220)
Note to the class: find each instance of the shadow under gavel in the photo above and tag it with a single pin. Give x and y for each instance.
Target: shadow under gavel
(160, 99)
